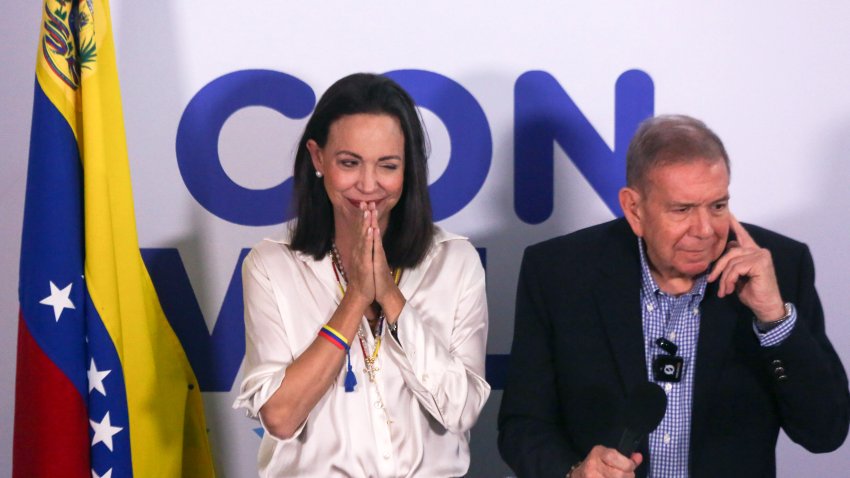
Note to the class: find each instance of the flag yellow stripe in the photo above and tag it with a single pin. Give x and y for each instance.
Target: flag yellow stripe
(167, 425)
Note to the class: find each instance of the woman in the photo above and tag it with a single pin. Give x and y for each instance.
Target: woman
(366, 325)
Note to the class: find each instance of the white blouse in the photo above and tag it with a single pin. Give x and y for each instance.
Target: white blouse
(429, 389)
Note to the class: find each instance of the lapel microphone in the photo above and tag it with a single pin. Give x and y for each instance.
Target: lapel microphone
(667, 368)
(666, 345)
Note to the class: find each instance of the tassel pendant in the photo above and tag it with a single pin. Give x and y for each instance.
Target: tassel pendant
(350, 379)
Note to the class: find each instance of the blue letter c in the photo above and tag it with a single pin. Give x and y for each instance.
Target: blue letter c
(197, 143)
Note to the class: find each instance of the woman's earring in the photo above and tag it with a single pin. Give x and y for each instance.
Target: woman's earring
(318, 174)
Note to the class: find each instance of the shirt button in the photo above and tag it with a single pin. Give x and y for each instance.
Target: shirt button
(696, 310)
(672, 336)
(667, 387)
(649, 307)
(666, 438)
(425, 377)
(386, 456)
(378, 404)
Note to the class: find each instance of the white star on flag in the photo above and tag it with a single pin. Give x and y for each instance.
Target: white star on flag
(58, 299)
(108, 474)
(104, 431)
(96, 378)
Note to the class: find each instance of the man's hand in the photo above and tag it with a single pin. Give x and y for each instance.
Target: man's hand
(604, 462)
(747, 269)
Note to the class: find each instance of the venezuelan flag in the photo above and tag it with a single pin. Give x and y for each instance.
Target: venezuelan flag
(103, 387)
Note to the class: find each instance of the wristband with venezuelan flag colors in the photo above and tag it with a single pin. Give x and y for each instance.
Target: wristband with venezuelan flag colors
(334, 337)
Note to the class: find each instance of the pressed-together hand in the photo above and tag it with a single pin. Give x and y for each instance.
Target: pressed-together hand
(604, 462)
(361, 278)
(386, 290)
(747, 269)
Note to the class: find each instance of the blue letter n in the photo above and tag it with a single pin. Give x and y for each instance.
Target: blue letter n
(545, 114)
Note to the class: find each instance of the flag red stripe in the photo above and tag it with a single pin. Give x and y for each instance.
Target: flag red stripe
(51, 423)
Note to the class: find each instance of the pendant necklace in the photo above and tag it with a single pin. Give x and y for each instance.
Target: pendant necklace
(370, 359)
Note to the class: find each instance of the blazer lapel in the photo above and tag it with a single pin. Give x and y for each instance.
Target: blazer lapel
(718, 319)
(617, 296)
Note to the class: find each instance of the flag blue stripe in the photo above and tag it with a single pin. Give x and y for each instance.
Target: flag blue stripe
(102, 350)
(52, 240)
(53, 251)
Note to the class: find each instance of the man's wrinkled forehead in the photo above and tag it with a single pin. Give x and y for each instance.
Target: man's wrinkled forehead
(670, 158)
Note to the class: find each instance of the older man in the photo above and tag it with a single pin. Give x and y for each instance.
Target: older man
(731, 310)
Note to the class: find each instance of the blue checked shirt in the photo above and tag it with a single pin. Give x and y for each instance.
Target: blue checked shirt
(677, 319)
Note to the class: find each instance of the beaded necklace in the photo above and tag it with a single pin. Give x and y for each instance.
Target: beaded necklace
(369, 358)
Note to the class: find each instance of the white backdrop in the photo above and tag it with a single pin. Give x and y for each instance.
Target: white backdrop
(771, 79)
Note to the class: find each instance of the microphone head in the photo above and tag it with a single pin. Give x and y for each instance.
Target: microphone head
(645, 408)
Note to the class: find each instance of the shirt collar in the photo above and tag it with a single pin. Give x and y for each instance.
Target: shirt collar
(650, 287)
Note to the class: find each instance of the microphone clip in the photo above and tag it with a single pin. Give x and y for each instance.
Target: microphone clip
(667, 368)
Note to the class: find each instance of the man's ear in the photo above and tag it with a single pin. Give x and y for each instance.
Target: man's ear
(630, 203)
(315, 155)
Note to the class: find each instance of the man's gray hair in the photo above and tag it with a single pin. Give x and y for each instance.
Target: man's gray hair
(669, 139)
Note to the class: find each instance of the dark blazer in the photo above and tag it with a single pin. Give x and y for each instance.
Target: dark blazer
(578, 350)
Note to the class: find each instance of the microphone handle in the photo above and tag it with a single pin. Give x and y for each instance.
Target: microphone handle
(629, 442)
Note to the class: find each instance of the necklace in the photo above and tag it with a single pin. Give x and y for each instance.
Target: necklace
(337, 262)
(369, 358)
(339, 270)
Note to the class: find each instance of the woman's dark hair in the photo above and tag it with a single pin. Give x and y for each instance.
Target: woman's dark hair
(411, 229)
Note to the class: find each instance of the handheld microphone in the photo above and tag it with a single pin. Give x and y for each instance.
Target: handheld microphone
(644, 410)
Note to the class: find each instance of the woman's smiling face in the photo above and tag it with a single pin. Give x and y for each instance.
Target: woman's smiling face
(362, 161)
